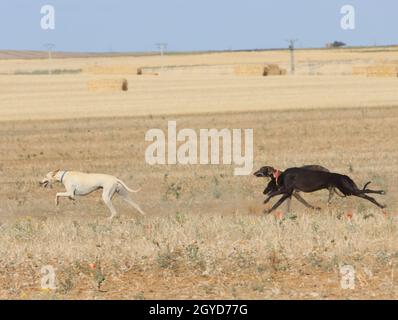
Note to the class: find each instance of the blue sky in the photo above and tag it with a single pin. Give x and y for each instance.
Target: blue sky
(132, 25)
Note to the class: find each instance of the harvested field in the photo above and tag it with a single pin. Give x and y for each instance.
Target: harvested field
(205, 228)
(205, 235)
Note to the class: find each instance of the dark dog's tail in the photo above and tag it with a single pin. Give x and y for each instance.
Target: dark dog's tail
(366, 184)
(364, 190)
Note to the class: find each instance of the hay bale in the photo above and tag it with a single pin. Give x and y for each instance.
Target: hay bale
(249, 70)
(259, 70)
(376, 71)
(147, 71)
(273, 70)
(125, 85)
(100, 70)
(382, 71)
(107, 85)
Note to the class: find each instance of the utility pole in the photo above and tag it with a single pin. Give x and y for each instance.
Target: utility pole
(291, 48)
(162, 48)
(49, 47)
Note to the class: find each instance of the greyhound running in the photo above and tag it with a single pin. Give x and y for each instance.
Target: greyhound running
(81, 184)
(273, 185)
(299, 179)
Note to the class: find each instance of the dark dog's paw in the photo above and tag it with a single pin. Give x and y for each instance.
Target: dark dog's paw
(382, 192)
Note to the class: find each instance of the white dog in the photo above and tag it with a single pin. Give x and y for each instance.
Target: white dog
(81, 184)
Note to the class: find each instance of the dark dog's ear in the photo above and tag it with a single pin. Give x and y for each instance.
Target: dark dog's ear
(55, 172)
(268, 171)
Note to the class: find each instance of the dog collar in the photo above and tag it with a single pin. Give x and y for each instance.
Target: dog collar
(276, 175)
(62, 177)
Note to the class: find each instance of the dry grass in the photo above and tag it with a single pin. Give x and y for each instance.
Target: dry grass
(205, 229)
(190, 246)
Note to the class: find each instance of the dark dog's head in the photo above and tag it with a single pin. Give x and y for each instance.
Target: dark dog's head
(265, 172)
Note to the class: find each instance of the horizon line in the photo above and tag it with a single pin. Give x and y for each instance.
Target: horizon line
(171, 52)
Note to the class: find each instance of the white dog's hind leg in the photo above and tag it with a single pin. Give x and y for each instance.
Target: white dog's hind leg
(107, 200)
(134, 205)
(126, 197)
(70, 195)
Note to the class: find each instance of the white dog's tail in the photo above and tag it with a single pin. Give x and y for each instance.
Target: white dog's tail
(126, 187)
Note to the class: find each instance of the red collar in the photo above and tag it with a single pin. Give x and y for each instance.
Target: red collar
(276, 175)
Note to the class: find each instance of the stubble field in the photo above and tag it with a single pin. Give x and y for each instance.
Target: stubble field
(204, 235)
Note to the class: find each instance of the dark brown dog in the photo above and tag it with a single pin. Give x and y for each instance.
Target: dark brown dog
(272, 186)
(300, 179)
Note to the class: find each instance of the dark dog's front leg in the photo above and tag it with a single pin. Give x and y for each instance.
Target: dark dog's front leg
(280, 201)
(270, 187)
(273, 194)
(364, 196)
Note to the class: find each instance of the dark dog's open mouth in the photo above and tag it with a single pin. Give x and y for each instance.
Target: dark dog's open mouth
(259, 174)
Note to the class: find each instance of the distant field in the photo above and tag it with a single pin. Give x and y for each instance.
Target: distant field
(200, 83)
(205, 235)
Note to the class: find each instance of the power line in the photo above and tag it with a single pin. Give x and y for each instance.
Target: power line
(291, 48)
(162, 47)
(49, 47)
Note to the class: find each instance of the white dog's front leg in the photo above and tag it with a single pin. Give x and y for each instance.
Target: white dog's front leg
(63, 194)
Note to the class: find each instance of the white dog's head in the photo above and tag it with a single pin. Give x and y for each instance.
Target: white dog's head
(50, 177)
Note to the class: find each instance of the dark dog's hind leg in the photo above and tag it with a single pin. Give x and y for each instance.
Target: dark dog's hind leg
(364, 196)
(301, 199)
(280, 201)
(331, 192)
